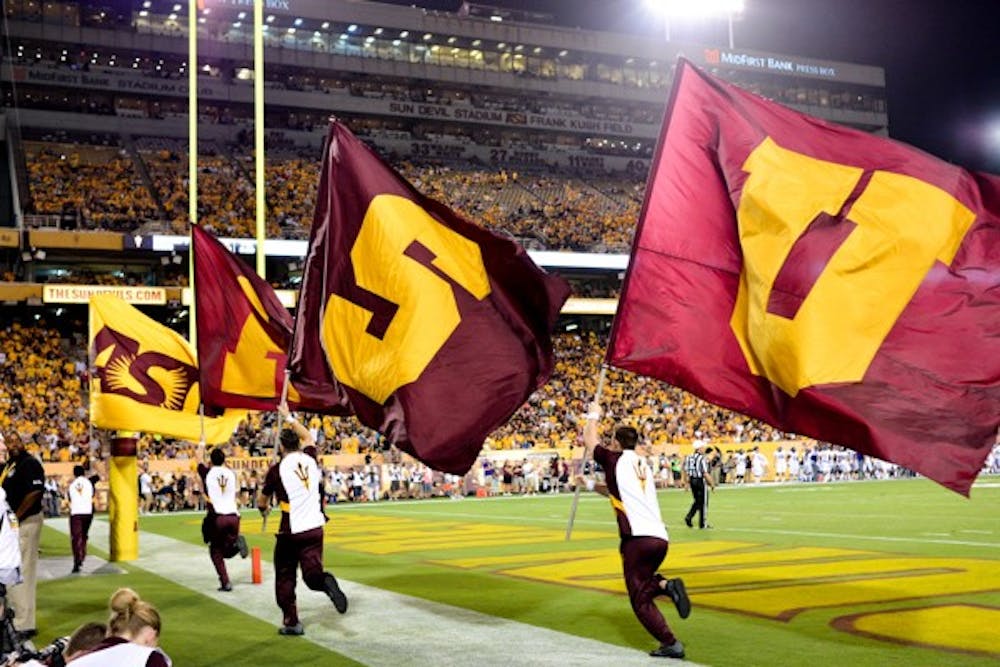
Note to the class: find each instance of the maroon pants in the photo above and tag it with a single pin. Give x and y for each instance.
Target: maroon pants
(291, 551)
(641, 557)
(79, 529)
(223, 529)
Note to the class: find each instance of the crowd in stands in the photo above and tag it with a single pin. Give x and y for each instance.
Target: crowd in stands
(41, 381)
(42, 378)
(563, 213)
(98, 184)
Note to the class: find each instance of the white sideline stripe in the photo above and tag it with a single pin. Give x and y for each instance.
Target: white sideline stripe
(380, 628)
(876, 538)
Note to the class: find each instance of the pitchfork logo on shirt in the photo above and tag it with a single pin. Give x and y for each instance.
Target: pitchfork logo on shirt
(223, 483)
(302, 473)
(641, 474)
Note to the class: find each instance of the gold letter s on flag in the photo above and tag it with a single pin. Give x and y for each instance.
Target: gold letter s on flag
(428, 313)
(903, 224)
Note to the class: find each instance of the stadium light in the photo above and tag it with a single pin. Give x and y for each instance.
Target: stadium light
(696, 8)
(689, 9)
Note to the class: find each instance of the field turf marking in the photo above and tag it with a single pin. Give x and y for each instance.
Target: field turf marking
(381, 628)
(971, 628)
(873, 538)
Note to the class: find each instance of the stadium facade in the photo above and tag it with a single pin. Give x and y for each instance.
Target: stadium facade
(479, 89)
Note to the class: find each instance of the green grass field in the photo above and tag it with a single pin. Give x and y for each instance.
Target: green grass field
(873, 573)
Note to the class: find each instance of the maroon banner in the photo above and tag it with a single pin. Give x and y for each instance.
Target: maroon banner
(830, 282)
(243, 336)
(437, 329)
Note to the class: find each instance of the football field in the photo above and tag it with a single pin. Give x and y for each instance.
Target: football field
(866, 573)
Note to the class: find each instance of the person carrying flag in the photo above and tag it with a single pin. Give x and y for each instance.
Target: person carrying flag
(297, 483)
(221, 527)
(631, 487)
(81, 514)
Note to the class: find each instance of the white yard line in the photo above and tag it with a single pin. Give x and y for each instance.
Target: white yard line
(380, 628)
(875, 538)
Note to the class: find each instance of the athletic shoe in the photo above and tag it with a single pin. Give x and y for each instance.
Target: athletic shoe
(292, 630)
(677, 593)
(334, 593)
(225, 588)
(675, 650)
(241, 542)
(687, 520)
(76, 569)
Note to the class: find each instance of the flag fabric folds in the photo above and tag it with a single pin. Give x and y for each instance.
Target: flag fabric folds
(437, 329)
(145, 376)
(243, 337)
(830, 282)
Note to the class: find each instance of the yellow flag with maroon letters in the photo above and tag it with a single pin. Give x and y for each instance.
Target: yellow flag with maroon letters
(145, 376)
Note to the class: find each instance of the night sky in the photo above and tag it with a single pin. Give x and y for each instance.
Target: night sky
(942, 57)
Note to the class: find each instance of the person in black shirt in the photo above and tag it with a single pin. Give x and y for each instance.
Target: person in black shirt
(23, 480)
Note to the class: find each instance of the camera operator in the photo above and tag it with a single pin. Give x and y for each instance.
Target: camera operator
(65, 649)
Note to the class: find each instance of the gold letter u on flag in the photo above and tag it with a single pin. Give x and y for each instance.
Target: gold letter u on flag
(903, 225)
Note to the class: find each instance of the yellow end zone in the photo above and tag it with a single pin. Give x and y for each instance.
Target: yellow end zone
(954, 627)
(738, 577)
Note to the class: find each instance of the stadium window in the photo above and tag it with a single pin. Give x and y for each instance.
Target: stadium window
(490, 61)
(506, 63)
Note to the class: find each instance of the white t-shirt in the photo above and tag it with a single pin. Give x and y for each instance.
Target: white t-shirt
(301, 478)
(10, 550)
(145, 483)
(220, 486)
(120, 654)
(81, 496)
(632, 491)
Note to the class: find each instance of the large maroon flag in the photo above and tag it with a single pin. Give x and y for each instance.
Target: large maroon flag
(832, 283)
(437, 329)
(243, 337)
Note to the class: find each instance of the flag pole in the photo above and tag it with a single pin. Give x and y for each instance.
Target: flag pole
(201, 420)
(258, 123)
(284, 398)
(583, 462)
(277, 433)
(192, 65)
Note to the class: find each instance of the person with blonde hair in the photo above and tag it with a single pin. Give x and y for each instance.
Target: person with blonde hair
(133, 635)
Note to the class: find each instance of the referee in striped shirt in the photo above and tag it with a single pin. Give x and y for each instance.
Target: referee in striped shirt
(695, 477)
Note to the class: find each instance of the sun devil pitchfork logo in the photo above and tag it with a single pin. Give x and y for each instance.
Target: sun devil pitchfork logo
(303, 474)
(152, 378)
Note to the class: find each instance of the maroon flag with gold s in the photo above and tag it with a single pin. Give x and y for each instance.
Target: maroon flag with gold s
(832, 283)
(243, 336)
(437, 329)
